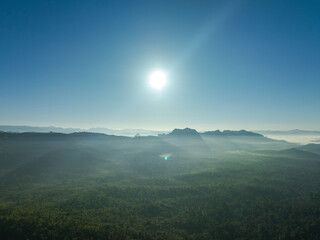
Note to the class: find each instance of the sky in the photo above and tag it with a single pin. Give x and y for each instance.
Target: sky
(230, 64)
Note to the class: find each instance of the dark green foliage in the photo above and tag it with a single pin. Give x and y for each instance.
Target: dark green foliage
(83, 186)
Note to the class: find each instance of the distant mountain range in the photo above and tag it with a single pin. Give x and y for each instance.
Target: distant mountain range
(192, 132)
(46, 152)
(20, 129)
(184, 132)
(120, 132)
(127, 132)
(144, 132)
(232, 133)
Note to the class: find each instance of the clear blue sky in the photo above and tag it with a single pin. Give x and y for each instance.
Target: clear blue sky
(231, 64)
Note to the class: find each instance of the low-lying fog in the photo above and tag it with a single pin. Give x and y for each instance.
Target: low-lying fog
(298, 138)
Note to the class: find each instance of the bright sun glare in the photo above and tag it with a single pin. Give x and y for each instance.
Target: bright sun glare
(158, 79)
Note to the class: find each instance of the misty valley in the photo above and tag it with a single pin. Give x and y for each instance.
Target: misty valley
(109, 113)
(180, 185)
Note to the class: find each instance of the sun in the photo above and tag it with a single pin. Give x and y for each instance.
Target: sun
(158, 79)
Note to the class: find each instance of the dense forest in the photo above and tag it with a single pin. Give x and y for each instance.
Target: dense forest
(182, 185)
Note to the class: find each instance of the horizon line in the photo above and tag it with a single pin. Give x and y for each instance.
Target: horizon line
(148, 129)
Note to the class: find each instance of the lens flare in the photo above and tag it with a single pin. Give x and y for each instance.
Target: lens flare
(165, 156)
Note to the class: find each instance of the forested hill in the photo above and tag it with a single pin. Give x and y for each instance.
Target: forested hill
(96, 186)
